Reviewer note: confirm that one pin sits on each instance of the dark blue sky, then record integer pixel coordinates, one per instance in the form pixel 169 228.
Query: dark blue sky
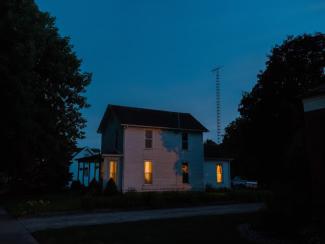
pixel 159 53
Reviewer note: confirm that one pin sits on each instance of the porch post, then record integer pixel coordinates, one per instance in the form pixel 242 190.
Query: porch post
pixel 78 170
pixel 83 173
pixel 88 172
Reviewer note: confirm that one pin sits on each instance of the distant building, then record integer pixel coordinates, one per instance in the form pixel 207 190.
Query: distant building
pixel 314 108
pixel 154 150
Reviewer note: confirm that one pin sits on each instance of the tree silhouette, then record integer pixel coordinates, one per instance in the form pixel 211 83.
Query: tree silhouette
pixel 41 93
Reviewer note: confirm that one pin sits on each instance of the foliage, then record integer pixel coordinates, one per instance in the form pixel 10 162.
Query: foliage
pixel 77 187
pixel 42 87
pixel 267 140
pixel 268 132
pixel 95 187
pixel 111 188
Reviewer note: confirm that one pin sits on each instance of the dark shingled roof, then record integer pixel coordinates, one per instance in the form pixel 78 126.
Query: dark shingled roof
pixel 152 118
pixel 213 151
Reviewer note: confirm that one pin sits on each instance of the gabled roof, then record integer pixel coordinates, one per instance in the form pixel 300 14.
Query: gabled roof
pixel 91 159
pixel 142 117
pixel 80 149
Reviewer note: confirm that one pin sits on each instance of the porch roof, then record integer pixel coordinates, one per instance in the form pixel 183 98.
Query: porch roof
pixel 96 158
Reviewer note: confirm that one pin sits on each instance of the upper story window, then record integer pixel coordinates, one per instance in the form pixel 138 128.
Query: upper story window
pixel 185 141
pixel 148 139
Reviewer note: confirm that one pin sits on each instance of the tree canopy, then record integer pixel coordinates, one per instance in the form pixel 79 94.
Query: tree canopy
pixel 267 139
pixel 42 96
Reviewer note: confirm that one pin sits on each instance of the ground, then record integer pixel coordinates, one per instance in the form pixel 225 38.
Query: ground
pixel 214 229
pixel 29 205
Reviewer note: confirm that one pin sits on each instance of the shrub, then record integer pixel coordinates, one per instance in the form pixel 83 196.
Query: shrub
pixel 75 185
pixel 110 188
pixel 94 188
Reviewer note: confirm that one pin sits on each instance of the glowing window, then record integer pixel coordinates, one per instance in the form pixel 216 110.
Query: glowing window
pixel 147 172
pixel 113 170
pixel 219 173
pixel 148 139
pixel 185 172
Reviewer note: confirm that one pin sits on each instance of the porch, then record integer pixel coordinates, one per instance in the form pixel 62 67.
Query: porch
pixel 89 169
pixel 101 167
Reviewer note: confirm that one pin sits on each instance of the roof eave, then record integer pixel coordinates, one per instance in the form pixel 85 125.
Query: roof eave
pixel 168 128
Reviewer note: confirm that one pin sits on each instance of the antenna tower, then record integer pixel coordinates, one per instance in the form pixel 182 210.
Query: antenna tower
pixel 218 102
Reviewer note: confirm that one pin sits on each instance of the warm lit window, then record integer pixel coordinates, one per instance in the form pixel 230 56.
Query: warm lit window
pixel 148 138
pixel 219 173
pixel 147 172
pixel 184 141
pixel 185 172
pixel 113 170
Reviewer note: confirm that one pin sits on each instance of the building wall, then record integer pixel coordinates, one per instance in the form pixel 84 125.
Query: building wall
pixel 105 170
pixel 210 175
pixel 167 158
pixel 108 136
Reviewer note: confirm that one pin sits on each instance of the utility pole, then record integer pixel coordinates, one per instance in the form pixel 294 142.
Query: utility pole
pixel 218 102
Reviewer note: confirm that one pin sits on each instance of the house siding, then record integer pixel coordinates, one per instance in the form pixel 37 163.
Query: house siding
pixel 108 136
pixel 167 158
pixel 210 177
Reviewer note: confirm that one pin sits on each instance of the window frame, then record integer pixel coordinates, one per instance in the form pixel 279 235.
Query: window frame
pixel 115 176
pixel 145 179
pixel 219 174
pixel 185 141
pixel 149 139
pixel 185 175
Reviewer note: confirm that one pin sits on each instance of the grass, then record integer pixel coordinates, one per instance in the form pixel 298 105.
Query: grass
pixel 68 202
pixel 206 229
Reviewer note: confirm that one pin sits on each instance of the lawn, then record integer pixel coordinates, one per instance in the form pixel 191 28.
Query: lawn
pixel 67 202
pixel 208 229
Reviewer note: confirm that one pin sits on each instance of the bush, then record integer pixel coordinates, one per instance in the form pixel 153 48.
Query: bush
pixel 75 186
pixel 94 188
pixel 110 188
pixel 209 188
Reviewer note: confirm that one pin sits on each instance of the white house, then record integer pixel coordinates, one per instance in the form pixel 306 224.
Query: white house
pixel 154 150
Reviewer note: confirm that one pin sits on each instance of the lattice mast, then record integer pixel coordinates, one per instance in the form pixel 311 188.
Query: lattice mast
pixel 218 102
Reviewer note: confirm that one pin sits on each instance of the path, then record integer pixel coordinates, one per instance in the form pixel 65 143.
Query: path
pixel 13 232
pixel 56 222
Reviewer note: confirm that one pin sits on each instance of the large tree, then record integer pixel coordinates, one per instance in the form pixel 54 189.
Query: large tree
pixel 267 138
pixel 42 89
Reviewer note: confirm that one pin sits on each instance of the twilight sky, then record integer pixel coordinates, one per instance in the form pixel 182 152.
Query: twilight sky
pixel 159 53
